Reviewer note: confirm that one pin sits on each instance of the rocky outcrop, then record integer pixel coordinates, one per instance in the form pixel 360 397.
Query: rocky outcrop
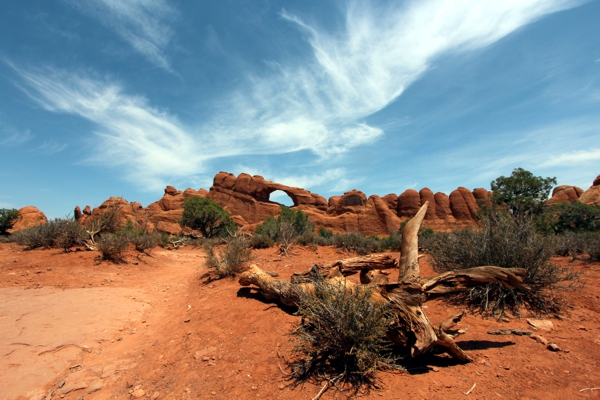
pixel 564 193
pixel 592 195
pixel 248 199
pixel 28 216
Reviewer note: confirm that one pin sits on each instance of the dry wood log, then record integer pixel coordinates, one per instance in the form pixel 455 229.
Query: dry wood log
pixel 465 279
pixel 412 329
pixel 349 266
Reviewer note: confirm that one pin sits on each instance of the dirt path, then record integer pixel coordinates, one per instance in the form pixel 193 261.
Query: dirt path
pixel 150 329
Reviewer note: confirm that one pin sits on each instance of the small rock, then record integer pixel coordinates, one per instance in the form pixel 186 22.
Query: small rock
pixel 281 387
pixel 155 396
pixel 61 383
pixel 71 387
pixel 253 388
pixel 186 320
pixel 541 324
pixel 540 339
pixel 138 393
pixel 95 386
pixel 553 347
pixel 582 328
pixel 213 393
pixel 435 369
pixel 80 397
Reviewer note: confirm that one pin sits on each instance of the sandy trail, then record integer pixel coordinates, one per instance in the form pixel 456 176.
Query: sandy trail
pixel 43 331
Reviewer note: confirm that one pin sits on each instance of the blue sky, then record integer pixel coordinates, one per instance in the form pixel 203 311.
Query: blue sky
pixel 104 98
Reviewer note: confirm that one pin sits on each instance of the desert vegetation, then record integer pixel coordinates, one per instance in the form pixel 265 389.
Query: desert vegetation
pixel 7 219
pixel 206 216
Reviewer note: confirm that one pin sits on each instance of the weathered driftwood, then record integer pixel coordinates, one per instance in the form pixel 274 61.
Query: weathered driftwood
pixel 349 266
pixel 412 329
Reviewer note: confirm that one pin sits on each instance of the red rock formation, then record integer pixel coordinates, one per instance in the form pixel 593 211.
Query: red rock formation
pixel 247 198
pixel 564 193
pixel 592 195
pixel 29 216
pixel 409 203
pixel 391 200
pixel 427 195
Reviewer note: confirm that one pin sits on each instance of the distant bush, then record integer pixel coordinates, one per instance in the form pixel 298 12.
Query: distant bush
pixel 139 237
pixel 357 242
pixel 232 259
pixel 325 233
pixel 62 233
pixel 342 334
pixel 7 218
pixel 112 246
pixel 570 217
pixel 206 216
pixel 506 241
pixel 285 230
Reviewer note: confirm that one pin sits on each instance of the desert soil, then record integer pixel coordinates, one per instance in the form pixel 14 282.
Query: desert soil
pixel 73 327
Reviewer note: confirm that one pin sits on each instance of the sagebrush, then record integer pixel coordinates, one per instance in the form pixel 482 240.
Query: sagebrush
pixel 342 334
pixel 508 241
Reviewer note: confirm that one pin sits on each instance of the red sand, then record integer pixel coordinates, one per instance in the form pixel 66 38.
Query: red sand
pixel 151 328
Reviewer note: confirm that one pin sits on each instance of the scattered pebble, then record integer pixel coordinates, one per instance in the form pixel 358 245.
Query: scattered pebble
pixel 553 347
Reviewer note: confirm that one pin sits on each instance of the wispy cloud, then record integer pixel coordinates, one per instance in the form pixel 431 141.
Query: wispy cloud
pixel 10 136
pixel 142 23
pixel 6 205
pixel 51 147
pixel 152 144
pixel 320 105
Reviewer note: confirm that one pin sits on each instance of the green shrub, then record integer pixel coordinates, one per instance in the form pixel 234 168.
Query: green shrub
pixel 593 246
pixel 7 218
pixel 261 241
pixel 232 259
pixel 505 241
pixel 285 229
pixel 61 233
pixel 342 334
pixel 138 236
pixel 570 217
pixel 357 242
pixel 112 246
pixel 69 233
pixel 325 233
pixel 206 216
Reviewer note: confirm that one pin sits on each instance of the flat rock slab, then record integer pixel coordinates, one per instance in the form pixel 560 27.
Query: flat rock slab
pixel 44 331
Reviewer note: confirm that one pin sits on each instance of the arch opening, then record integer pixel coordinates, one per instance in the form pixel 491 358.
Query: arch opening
pixel 281 197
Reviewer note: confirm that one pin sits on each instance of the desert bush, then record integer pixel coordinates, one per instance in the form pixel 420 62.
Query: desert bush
pixel 325 233
pixel 392 242
pixel 69 233
pixel 62 233
pixel 506 241
pixel 139 237
pixel 570 217
pixel 261 241
pixel 112 246
pixel 285 229
pixel 357 242
pixel 7 219
pixel 233 257
pixel 342 334
pixel 206 216
pixel 593 246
